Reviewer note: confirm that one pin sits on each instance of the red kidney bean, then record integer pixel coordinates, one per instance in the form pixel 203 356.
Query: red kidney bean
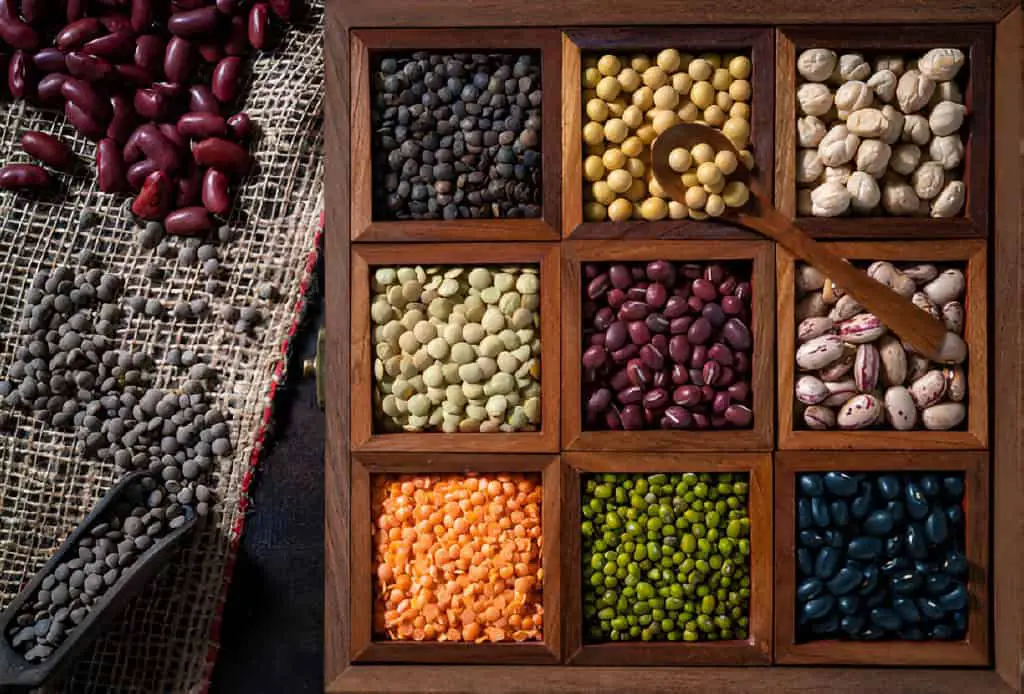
pixel 678 326
pixel 624 354
pixel 149 53
pixel 120 44
pixel 633 310
pixel 179 59
pixel 24 177
pixel 211 52
pixel 742 363
pixel 661 271
pixel 116 23
pixel 227 82
pixel 660 380
pixel 616 335
pixel 707 394
pixel 110 166
pixel 202 125
pixel 282 8
pixel 75 34
pixel 142 15
pixel 133 75
pixel 88 126
pixel 193 23
pixel 679 348
pixel 188 221
pixel 228 7
pixel 726 377
pixel 171 134
pixel 637 293
pixel 743 291
pixel 75 9
pixel 158 148
pixel 201 99
pixel 714 273
pixel 49 89
pixel 150 104
pixel 189 188
pixel 20 75
pixel 612 420
pixel 83 95
pixel 132 151
pixel 225 155
pixel 122 124
pixel 14 32
pixel 597 339
pixel 33 11
pixel 259 17
pixel 50 60
pixel 241 126
pixel 154 198
pixel 615 298
pixel 238 37
pixel 48 149
pixel 89 67
pixel 139 172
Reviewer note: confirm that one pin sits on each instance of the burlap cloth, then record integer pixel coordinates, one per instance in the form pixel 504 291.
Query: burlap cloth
pixel 167 641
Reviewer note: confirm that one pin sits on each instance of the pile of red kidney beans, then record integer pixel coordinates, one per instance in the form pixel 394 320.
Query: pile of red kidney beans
pixel 667 345
pixel 153 83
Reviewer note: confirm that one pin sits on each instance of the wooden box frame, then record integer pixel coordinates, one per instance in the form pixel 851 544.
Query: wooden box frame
pixel 977 42
pixel 363 225
pixel 365 649
pixel 969 251
pixel 755 40
pixel 364 256
pixel 756 649
pixel 1007 276
pixel 972 651
pixel 758 438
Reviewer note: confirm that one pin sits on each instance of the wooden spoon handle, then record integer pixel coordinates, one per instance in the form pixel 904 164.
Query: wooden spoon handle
pixel 901 316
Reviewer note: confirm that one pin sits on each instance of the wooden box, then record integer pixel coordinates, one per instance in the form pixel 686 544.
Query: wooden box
pixel 366 646
pixel 575 254
pixel 364 436
pixel 756 42
pixel 976 43
pixel 971 651
pixel 365 45
pixel 970 253
pixel 756 648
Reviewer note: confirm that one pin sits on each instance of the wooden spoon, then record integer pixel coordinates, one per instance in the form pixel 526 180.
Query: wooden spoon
pixel 917 327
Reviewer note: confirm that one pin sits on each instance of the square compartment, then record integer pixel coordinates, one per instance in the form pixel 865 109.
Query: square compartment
pixel 756 648
pixel 970 255
pixel 976 43
pixel 368 45
pixel 971 651
pixel 369 646
pixel 754 42
pixel 365 434
pixel 759 256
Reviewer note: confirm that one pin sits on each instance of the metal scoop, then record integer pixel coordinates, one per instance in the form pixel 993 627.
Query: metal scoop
pixel 917 327
pixel 20 675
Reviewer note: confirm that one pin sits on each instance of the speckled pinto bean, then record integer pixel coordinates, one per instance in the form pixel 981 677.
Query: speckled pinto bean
pixel 48 149
pixel 188 221
pixel 110 168
pixel 666 354
pixel 222 154
pixel 85 96
pixel 216 197
pixel 24 177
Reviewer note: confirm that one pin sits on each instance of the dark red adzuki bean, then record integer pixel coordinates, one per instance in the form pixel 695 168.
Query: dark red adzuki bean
pixel 24 177
pixel 48 149
pixel 661 350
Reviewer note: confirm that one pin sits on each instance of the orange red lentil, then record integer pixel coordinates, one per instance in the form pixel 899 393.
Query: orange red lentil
pixel 458 557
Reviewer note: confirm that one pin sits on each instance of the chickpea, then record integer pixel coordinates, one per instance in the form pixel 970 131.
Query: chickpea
pixel 716 187
pixel 714 116
pixel 653 209
pixel 597 110
pixel 696 198
pixel 609 65
pixel 620 210
pixel 677 210
pixel 668 60
pixel 708 173
pixel 602 192
pixel 637 190
pixel 739 67
pixel 655 188
pixel 714 59
pixel 666 97
pixel 740 90
pixel 640 62
pixel 715 206
pixel 726 161
pixel 679 159
pixel 633 117
pixel 593 133
pixel 646 133
pixel 635 167
pixel 655 77
pixel 682 82
pixel 589 94
pixel 747 158
pixel 619 180
pixel 740 110
pixel 689 179
pixel 637 214
pixel 599 148
pixel 738 131
pixel 615 130
pixel 724 101
pixel 702 153
pixel 629 79
pixel 608 88
pixel 699 215
pixel 700 70
pixel 613 159
pixel 663 120
pixel 594 212
pixel 702 94
pixel 688 113
pixel 591 76
pixel 643 98
pixel 593 168
pixel 632 146
pixel 617 107
pixel 736 194
pixel 721 79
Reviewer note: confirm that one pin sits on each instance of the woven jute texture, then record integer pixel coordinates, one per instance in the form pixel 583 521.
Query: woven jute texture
pixel 167 640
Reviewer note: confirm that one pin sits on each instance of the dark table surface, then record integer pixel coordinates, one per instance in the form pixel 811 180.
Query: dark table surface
pixel 272 635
